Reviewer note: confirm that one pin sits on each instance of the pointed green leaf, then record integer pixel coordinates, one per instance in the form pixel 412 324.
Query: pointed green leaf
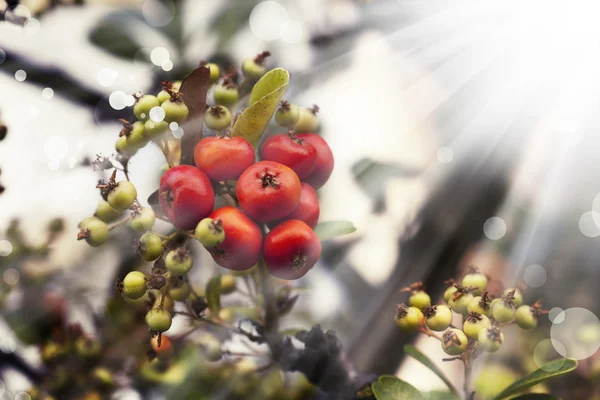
pixel 330 229
pixel 423 359
pixel 213 294
pixel 536 396
pixel 252 122
pixel 437 395
pixel 392 388
pixel 549 370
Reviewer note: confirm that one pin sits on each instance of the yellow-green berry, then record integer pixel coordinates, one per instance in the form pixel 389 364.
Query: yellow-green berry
pixel 142 220
pixel 122 196
pixel 155 129
pixel 480 305
pixel 438 318
pixel 490 339
pixel 254 68
pixel 94 231
pixel 474 323
pixel 448 293
pixel 475 279
pixel 134 285
pixel 419 299
pixel 503 311
pixel 526 317
pixel 307 120
pixel 179 289
pixel 150 246
pixel 215 71
pixel 287 115
pixel 459 302
pixel 144 104
pixel 217 118
pixel 178 261
pixel 454 342
pixel 175 111
pixel 210 232
pixel 516 293
pixel 158 320
pixel 105 212
pixel 226 93
pixel 408 318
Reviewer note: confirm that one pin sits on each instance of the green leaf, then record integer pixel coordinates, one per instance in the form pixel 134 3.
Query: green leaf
pixel 110 36
pixel 213 294
pixel 330 229
pixel 423 359
pixel 392 388
pixel 252 122
pixel 549 370
pixel 536 396
pixel 437 395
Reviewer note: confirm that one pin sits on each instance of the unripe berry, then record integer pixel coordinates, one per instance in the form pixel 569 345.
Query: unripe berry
pixel 158 320
pixel 227 284
pixel 210 233
pixel 503 311
pixel 459 302
pixel 449 293
pixel 121 146
pixel 175 111
pixel 474 323
pixel 480 305
pixel 144 104
pixel 287 114
pixel 526 317
pixel 179 290
pixel 150 246
pixel 490 339
pixel 438 318
pixel 324 164
pixel 408 318
pixel 226 94
pixel 134 285
pixel 254 69
pixel 135 135
pixel 307 120
pixel 94 231
pixel 143 220
pixel 454 342
pixel 518 296
pixel 217 118
pixel 419 299
pixel 215 71
pixel 178 262
pixel 154 129
pixel 224 158
pixel 105 212
pixel 163 96
pixel 122 196
pixel 475 279
pixel 165 350
pixel 296 153
pixel 177 85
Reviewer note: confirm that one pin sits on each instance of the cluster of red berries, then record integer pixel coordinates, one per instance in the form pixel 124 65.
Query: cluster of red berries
pixel 482 316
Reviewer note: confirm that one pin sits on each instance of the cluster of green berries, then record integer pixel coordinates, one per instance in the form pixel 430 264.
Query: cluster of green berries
pixel 482 316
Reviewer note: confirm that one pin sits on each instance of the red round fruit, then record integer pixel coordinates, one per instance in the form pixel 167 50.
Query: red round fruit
pixel 296 153
pixel 324 164
pixel 291 249
pixel 307 210
pixel 268 191
pixel 223 158
pixel 243 240
pixel 186 196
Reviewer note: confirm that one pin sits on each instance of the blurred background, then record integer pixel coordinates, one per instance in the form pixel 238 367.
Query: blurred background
pixel 463 132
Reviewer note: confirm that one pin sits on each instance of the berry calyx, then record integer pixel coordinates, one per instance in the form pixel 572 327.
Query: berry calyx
pixel 460 299
pixel 291 249
pixel 134 285
pixel 217 118
pixel 226 93
pixel 527 317
pixel 267 191
pixel 408 319
pixel 504 311
pixel 454 342
pixel 474 323
pixel 324 163
pixel 490 339
pixel 287 114
pixel 158 320
pixel 481 305
pixel 186 196
pixel 243 240
pixel 307 119
pixel 150 246
pixel 254 68
pixel 121 195
pixel 105 212
pixel 295 152
pixel 178 262
pixel 476 280
pixel 210 233
pixel 307 210
pixel 93 231
pixel 175 110
pixel 143 219
pixel 144 104
pixel 133 134
pixel 224 158
pixel 517 296
pixel 438 318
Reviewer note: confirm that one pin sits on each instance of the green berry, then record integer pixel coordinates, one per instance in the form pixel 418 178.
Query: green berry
pixel 518 296
pixel 226 94
pixel 175 111
pixel 180 290
pixel 480 305
pixel 454 342
pixel 144 104
pixel 419 299
pixel 122 196
pixel 163 96
pixel 215 71
pixel 94 231
pixel 526 317
pixel 307 121
pixel 253 70
pixel 158 320
pixel 217 118
pixel 503 311
pixel 490 339
pixel 459 303
pixel 134 285
pixel 474 323
pixel 150 246
pixel 121 146
pixel 105 212
pixel 135 137
pixel 143 220
pixel 178 261
pixel 287 115
pixel 448 293
pixel 210 233
pixel 438 318
pixel 475 279
pixel 227 284
pixel 408 318
pixel 177 85
pixel 155 129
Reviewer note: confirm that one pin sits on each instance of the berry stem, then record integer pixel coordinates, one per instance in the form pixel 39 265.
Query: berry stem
pixel 468 370
pixel 118 223
pixel 425 329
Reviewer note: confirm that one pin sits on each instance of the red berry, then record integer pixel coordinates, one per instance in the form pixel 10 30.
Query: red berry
pixel 268 191
pixel 296 153
pixel 186 196
pixel 307 210
pixel 324 164
pixel 223 158
pixel 243 240
pixel 291 249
